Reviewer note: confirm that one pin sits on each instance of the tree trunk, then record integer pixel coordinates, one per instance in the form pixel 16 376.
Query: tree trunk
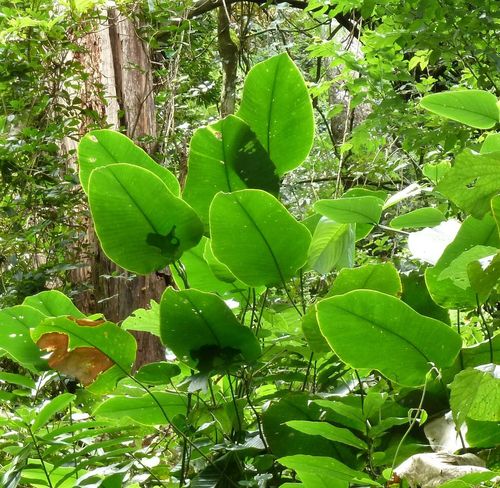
pixel 118 61
pixel 228 51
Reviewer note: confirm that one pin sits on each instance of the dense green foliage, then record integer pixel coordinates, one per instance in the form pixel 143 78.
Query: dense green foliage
pixel 314 331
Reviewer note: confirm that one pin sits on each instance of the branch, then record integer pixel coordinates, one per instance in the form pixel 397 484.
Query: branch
pixel 204 6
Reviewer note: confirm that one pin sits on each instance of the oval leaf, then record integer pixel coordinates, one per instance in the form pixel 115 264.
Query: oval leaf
pixel 476 108
pixel 155 408
pixel 202 331
pixel 368 329
pixel 138 232
pixel 328 431
pixel 15 339
pixel 351 210
pixel 98 353
pixel 53 303
pixel 277 106
pixel 257 238
pixel 103 147
pixel 226 157
pixel 421 217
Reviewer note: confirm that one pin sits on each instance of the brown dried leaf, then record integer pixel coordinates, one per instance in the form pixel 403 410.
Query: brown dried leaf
pixel 84 363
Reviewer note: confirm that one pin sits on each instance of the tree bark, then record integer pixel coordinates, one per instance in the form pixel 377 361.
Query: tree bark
pixel 228 51
pixel 118 61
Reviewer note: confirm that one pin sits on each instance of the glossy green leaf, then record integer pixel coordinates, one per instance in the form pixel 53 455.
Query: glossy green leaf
pixel 448 281
pixel 475 393
pixel 495 210
pixel 220 270
pixel 491 143
pixel 484 275
pixel 226 156
pixel 416 295
pixel 117 350
pixel 283 440
pixel 144 320
pixel 435 172
pixel 17 379
pixel 312 333
pixel 476 108
pixel 154 408
pixel 482 434
pixel 328 431
pixel 277 106
pixel 381 277
pixel 368 329
pixel 422 217
pixel 104 147
pixel 472 182
pixel 257 238
pixel 53 303
pixel 332 246
pixel 202 331
pixel 360 210
pixel 15 339
pixel 201 276
pixel 52 407
pixel 159 373
pixel 324 472
pixel 138 232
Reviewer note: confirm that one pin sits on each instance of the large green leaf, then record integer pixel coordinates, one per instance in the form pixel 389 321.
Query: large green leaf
pixel 283 440
pixel 144 320
pixel 332 246
pixel 368 329
pixel 155 408
pixel 202 331
pixel 448 281
pixel 200 274
pixel 257 238
pixel 226 157
pixel 103 147
pixel 141 225
pixel 313 335
pixel 495 210
pixel 484 275
pixel 15 339
pixel 98 353
pixel 417 296
pixel 351 210
pixel 328 431
pixel 53 303
pixel 421 217
pixel 475 393
pixel 382 277
pixel 277 106
pixel 491 143
pixel 476 108
pixel 57 404
pixel 324 472
pixel 472 182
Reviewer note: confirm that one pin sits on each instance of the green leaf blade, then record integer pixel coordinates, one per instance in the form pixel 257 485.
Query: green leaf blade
pixel 137 232
pixel 257 238
pixel 368 329
pixel 475 108
pixel 277 106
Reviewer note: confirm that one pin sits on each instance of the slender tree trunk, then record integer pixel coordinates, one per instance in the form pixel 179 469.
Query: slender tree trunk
pixel 118 61
pixel 228 51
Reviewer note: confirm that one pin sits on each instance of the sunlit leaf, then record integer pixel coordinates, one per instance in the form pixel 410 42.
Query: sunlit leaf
pixel 277 106
pixel 104 147
pixel 368 329
pixel 98 353
pixel 476 108
pixel 257 238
